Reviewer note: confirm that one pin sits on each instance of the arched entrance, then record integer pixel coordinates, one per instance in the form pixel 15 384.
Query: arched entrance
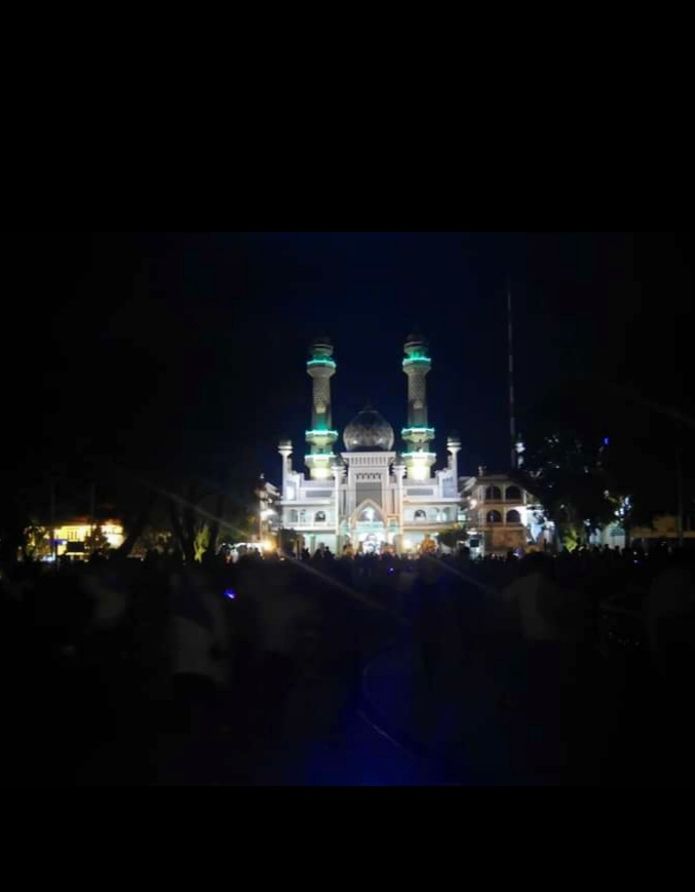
pixel 370 543
pixel 367 528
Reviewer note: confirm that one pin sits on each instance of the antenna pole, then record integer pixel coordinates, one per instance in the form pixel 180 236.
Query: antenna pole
pixel 512 420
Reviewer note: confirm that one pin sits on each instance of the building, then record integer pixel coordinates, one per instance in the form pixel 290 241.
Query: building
pixel 268 497
pixel 369 496
pixel 664 530
pixel 502 516
pixel 70 535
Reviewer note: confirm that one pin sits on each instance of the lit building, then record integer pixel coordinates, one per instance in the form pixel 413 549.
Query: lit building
pixel 268 496
pixel 70 536
pixel 369 496
pixel 502 516
pixel 664 529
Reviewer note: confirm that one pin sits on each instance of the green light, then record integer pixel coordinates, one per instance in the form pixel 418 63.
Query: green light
pixel 417 430
pixel 416 358
pixel 323 361
pixel 325 433
pixel 418 454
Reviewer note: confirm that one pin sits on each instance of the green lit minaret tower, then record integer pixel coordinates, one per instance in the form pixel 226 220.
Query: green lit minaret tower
pixel 321 368
pixel 417 435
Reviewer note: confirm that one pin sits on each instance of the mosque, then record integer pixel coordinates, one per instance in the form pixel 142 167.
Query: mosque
pixel 370 497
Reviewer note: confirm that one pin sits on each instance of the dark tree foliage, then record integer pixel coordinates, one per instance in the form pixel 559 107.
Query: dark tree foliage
pixel 588 451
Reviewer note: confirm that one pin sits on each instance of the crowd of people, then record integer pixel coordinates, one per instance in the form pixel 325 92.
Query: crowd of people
pixel 111 664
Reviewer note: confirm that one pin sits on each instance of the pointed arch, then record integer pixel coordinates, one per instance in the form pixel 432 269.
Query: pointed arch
pixel 368 505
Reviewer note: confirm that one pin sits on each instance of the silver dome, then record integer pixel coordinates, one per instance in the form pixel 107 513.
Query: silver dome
pixel 368 431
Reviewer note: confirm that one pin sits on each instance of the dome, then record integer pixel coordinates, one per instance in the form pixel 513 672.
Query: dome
pixel 367 432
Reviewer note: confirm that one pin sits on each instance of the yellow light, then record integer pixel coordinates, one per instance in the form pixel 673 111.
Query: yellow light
pixel 419 470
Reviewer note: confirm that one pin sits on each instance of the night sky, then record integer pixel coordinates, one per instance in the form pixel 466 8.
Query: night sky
pixel 145 348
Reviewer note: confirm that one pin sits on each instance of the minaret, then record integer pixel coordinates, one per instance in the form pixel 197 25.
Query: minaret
pixel 321 367
pixel 399 473
pixel 416 365
pixel 453 445
pixel 285 450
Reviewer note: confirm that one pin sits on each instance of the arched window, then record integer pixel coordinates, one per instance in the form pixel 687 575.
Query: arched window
pixel 320 517
pixel 494 517
pixel 493 494
pixel 293 516
pixel 513 517
pixel 302 516
pixel 420 515
pixel 513 494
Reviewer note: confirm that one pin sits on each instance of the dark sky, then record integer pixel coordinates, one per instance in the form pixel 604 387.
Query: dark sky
pixel 143 346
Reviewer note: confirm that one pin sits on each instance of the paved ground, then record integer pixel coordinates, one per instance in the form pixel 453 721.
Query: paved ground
pixel 323 737
pixel 396 731
pixel 464 723
pixel 477 724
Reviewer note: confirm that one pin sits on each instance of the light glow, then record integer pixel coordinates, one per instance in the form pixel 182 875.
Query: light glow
pixel 323 433
pixel 418 471
pixel 417 430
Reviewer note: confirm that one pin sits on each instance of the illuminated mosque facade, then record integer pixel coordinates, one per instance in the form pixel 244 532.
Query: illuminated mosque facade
pixel 369 496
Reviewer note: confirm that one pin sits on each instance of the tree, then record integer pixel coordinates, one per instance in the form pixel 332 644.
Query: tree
pixel 14 520
pixel 37 543
pixel 451 536
pixel 201 542
pixel 155 540
pixel 201 516
pixel 636 449
pixel 428 545
pixel 136 523
pixel 184 512
pixel 289 541
pixel 96 543
pixel 569 480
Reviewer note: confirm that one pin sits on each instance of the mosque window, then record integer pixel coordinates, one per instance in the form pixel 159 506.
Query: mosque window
pixel 513 517
pixel 420 515
pixel 494 517
pixel 493 494
pixel 320 517
pixel 513 494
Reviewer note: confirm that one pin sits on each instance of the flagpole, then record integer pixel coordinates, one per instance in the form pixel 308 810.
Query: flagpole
pixel 512 421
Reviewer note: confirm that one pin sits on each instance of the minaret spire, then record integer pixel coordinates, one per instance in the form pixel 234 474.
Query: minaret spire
pixel 321 368
pixel 417 434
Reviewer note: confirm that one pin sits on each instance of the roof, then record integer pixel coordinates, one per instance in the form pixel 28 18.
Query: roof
pixel 82 522
pixel 368 431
